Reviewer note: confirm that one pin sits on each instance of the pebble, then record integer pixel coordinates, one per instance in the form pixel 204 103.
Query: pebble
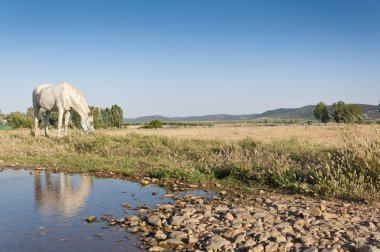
pixel 91 219
pixel 255 224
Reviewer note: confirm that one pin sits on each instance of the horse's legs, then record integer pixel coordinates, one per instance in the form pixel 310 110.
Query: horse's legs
pixel 60 116
pixel 47 117
pixel 36 115
pixel 67 117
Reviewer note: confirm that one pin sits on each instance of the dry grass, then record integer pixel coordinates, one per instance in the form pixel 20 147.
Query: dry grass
pixel 338 161
pixel 327 135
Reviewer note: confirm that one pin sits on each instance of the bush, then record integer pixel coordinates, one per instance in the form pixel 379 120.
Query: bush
pixel 19 120
pixel 155 124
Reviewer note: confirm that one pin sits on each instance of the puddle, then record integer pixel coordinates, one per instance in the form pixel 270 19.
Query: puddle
pixel 46 211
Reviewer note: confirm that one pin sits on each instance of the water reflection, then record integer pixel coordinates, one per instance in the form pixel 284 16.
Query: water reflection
pixel 61 193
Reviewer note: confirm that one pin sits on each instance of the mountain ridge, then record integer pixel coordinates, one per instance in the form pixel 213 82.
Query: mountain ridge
pixel 302 113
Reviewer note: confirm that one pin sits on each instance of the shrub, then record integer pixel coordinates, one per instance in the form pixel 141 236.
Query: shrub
pixel 155 124
pixel 19 120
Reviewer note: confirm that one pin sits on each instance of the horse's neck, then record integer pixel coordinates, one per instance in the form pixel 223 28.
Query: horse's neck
pixel 80 105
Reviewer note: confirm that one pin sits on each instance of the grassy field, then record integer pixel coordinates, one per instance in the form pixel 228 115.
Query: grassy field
pixel 338 161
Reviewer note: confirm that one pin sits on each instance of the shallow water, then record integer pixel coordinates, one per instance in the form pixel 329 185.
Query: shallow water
pixel 46 211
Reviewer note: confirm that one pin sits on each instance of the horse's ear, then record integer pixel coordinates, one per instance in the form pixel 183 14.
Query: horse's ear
pixel 89 113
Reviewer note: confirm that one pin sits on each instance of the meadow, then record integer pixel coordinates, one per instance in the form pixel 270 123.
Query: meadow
pixel 341 161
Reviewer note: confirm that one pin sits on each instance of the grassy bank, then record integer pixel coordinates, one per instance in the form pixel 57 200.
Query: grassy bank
pixel 349 171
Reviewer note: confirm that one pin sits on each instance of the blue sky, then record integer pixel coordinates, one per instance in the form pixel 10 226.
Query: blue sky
pixel 192 57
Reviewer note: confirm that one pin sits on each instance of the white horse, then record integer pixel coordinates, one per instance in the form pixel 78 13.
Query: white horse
pixel 61 98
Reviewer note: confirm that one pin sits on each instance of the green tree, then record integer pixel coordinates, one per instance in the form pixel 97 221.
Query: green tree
pixel 75 118
pixel 321 112
pixel 347 113
pixel 116 116
pixel 354 113
pixel 338 111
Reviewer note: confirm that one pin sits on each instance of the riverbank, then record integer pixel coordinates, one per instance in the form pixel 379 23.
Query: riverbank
pixel 350 171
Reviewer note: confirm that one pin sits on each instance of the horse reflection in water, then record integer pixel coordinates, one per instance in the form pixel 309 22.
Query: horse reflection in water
pixel 60 193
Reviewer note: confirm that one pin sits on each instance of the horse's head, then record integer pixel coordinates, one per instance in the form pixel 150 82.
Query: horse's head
pixel 88 124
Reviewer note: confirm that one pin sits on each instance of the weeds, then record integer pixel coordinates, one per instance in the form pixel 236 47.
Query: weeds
pixel 350 171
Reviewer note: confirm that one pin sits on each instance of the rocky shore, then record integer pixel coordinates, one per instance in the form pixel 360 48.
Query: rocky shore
pixel 264 222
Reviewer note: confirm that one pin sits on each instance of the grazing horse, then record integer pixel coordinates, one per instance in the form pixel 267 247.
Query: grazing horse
pixel 61 98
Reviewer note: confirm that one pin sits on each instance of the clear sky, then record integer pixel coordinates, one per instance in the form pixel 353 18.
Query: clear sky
pixel 192 57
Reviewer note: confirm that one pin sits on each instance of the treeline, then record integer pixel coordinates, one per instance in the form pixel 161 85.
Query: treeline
pixel 103 118
pixel 340 112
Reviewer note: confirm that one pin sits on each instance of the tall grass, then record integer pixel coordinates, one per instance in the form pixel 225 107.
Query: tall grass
pixel 350 171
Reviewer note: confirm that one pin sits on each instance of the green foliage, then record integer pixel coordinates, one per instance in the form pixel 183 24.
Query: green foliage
pixel 347 113
pixel 321 112
pixel 116 116
pixel 155 124
pixel 103 118
pixel 19 120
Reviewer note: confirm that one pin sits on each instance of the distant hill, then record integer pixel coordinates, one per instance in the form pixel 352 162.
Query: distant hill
pixel 303 113
pixel 205 118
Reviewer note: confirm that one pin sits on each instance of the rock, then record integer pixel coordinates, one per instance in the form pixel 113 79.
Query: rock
pixel 280 238
pixel 228 216
pixel 159 235
pixel 221 209
pixel 127 205
pixel 90 219
pixel 328 216
pixel 169 195
pixel 271 247
pixel 257 248
pixel 154 220
pixel 228 233
pixel 370 225
pixel 144 182
pixel 330 250
pixel 177 220
pixel 322 207
pixel 193 240
pixel 239 238
pixel 367 248
pixel 178 235
pixel 216 242
pixel 174 242
pixel 315 211
pixel 133 221
pixel 311 249
pixel 166 207
pixel 154 193
pixel 156 249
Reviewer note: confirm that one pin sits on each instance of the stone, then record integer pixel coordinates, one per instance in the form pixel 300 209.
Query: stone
pixel 90 219
pixel 271 247
pixel 329 216
pixel 174 242
pixel 228 216
pixel 311 249
pixel 178 235
pixel 177 220
pixel 257 248
pixel 154 220
pixel 221 209
pixel 166 207
pixel 156 249
pixel 216 242
pixel 160 235
pixel 192 240
pixel 169 195
pixel 315 211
